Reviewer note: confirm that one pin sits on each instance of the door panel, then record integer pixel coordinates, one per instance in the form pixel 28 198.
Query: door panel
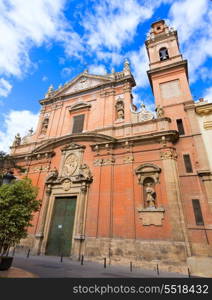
pixel 61 229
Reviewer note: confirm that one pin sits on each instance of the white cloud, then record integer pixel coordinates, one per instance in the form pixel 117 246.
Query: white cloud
pixel 114 22
pixel 66 71
pixel 97 69
pixel 140 64
pixel 5 87
pixel 61 60
pixel 208 94
pixel 205 73
pixel 197 54
pixel 193 21
pixel 16 122
pixel 72 42
pixel 114 58
pixel 24 24
pixel 188 17
pixel 44 78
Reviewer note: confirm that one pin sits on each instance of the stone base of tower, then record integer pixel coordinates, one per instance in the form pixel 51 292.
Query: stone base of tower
pixel 170 256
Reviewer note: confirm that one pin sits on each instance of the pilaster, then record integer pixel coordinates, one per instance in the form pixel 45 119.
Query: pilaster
pixel 169 157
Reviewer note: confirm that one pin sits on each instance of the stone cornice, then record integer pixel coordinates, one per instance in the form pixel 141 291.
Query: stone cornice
pixel 37 155
pixel 166 68
pixel 134 124
pixel 161 37
pixel 170 136
pixel 72 138
pixel 189 105
pixel 204 109
pixel 79 106
pixel 113 83
pixel 208 125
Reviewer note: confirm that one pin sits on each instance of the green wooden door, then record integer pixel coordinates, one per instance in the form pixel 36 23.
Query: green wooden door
pixel 61 230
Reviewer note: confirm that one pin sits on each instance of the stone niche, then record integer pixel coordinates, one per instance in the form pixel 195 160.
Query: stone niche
pixel 150 213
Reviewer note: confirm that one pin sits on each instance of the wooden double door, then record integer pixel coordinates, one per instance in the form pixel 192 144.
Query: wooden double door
pixel 61 228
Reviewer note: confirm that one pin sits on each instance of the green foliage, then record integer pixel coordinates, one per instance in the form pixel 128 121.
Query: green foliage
pixel 17 203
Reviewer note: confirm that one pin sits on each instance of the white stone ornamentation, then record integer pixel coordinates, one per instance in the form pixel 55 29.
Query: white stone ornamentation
pixel 70 165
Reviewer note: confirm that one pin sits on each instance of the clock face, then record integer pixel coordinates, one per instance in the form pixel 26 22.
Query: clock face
pixel 83 82
pixel 146 116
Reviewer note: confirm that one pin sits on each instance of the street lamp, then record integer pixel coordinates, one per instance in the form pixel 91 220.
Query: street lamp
pixel 8 177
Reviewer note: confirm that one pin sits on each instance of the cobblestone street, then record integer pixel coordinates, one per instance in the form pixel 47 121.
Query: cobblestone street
pixel 52 267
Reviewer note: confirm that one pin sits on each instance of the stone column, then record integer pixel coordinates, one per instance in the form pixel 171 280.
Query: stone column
pixel 80 226
pixel 179 233
pixel 127 102
pixel 40 232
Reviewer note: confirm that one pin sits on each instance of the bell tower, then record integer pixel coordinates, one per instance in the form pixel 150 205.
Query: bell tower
pixel 168 72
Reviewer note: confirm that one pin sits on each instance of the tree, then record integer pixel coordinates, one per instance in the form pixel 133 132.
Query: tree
pixel 4 163
pixel 17 203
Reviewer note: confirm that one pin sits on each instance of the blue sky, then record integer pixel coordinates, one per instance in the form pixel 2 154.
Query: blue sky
pixel 47 42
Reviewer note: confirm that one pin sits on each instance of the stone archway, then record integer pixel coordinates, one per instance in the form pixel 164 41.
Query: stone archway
pixel 150 212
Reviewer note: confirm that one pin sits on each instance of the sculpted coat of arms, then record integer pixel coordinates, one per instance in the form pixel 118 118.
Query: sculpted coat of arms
pixel 70 165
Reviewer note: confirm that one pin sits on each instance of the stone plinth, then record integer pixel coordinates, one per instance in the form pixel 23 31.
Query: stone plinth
pixel 151 215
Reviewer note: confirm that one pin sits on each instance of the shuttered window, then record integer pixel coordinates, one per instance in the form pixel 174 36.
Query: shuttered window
pixel 180 127
pixel 78 123
pixel 187 162
pixel 197 212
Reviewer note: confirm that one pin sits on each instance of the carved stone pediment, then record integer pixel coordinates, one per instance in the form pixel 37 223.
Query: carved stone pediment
pixel 79 106
pixel 148 170
pixel 83 82
pixel 72 146
pixel 143 114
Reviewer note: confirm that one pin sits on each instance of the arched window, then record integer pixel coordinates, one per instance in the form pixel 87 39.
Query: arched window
pixel 163 53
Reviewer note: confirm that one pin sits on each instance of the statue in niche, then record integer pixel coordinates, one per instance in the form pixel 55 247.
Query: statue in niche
pixel 44 126
pixel 159 111
pixel 150 195
pixel 52 175
pixel 120 114
pixel 17 140
pixel 120 110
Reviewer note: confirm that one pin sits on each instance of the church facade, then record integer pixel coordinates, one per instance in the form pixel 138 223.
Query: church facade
pixel 116 181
